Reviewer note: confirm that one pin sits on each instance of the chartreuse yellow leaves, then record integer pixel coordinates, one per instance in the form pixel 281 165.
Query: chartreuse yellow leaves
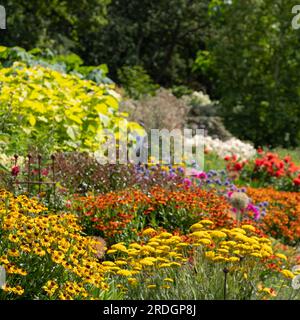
pixel 40 102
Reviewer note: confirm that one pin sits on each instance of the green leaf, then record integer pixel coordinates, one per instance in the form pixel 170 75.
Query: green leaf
pixel 71 133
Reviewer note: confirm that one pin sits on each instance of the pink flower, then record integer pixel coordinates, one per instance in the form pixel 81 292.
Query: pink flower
pixel 187 182
pixel 201 175
pixel 229 194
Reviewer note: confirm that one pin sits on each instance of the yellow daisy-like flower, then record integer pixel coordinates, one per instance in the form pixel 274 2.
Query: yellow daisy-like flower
pixel 281 256
pixel 108 263
pixel 125 273
pixel 287 273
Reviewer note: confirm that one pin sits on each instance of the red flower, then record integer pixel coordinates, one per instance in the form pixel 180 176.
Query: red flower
pixel 287 159
pixel 238 166
pixel 260 150
pixel 297 181
pixel 15 171
pixel 279 173
pixel 44 172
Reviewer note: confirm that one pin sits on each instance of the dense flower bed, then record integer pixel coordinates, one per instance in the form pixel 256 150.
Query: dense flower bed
pixel 282 220
pixel 118 214
pixel 46 256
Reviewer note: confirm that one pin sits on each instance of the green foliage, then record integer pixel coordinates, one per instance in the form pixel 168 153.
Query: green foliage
pixel 68 63
pixel 163 36
pixel 54 111
pixel 256 63
pixel 181 90
pixel 61 25
pixel 136 82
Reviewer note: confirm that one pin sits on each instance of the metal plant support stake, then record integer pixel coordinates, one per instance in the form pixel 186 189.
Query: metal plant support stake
pixel 29 181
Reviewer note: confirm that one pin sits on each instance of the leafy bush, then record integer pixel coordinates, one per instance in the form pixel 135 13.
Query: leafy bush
pixel 136 82
pixel 54 111
pixel 68 63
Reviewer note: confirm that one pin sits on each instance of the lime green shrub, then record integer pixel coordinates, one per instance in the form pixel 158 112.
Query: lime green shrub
pixel 55 111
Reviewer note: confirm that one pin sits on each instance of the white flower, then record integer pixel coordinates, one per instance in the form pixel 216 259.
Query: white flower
pixel 296 282
pixel 231 147
pixel 296 268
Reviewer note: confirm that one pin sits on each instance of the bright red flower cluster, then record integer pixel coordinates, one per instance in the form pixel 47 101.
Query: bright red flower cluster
pixel 274 166
pixel 233 165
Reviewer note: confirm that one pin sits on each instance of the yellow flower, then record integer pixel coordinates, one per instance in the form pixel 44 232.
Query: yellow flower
pixel 50 287
pixel 256 254
pixel 218 234
pixel 135 246
pixel 281 256
pixel 223 250
pixel 125 273
pixel 204 241
pixel 119 247
pixel 132 281
pixel 120 263
pixel 287 273
pixel 13 238
pixel 151 286
pixel 148 231
pixel 219 259
pixel 13 253
pixel 165 265
pixel 165 235
pixel 248 227
pixel 108 263
pixel 111 251
pixel 168 280
pixel 238 230
pixel 234 259
pixel 209 254
pixel 201 234
pixel 146 262
pixel 196 227
pixel 206 221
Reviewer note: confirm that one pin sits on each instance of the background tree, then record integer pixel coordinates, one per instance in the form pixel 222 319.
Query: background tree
pixel 58 25
pixel 162 36
pixel 255 58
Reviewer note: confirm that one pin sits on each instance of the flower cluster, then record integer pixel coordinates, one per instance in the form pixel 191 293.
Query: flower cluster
pixel 282 219
pixel 232 147
pixel 268 169
pixel 154 264
pixel 117 214
pixel 45 255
